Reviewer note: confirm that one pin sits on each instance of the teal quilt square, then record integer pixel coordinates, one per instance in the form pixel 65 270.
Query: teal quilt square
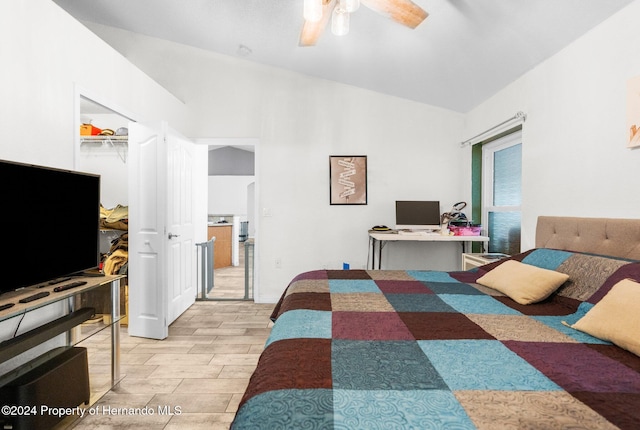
pixel 453 288
pixel 301 323
pixel 353 286
pixel 382 365
pixel 418 303
pixel 431 276
pixel 410 409
pixel 309 409
pixel 483 365
pixel 560 323
pixel 547 258
pixel 482 304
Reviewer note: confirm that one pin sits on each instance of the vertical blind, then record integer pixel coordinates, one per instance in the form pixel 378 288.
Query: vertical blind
pixel 504 224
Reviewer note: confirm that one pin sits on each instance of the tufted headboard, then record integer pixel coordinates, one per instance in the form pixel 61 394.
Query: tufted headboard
pixel 605 236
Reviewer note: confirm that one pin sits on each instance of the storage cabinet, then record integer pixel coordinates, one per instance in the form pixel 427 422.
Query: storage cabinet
pixel 473 260
pixel 222 247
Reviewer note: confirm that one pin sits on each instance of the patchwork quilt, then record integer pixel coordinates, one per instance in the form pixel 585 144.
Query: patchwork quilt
pixel 367 349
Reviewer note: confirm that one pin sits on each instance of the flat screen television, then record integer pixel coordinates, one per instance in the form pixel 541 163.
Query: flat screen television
pixel 49 223
pixel 417 215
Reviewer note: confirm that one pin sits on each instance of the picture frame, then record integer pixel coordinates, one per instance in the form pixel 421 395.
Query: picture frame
pixel 348 179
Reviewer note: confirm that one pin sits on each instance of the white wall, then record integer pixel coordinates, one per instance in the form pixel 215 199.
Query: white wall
pixel 229 195
pixel 575 163
pixel 45 56
pixel 410 155
pixel 300 121
pixel 575 160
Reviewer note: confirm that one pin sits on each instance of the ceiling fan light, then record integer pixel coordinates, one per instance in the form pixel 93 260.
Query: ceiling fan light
pixel 350 5
pixel 340 21
pixel 312 10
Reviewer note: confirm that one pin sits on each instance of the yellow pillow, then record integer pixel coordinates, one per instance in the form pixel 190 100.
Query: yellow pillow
pixel 615 317
pixel 524 283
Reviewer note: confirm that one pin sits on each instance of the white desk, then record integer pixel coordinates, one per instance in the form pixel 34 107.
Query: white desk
pixel 382 238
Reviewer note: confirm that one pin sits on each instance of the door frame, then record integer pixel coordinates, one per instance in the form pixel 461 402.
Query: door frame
pixel 255 142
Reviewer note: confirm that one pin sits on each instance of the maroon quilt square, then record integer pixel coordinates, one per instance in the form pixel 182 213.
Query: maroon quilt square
pixel 618 354
pixel 369 326
pixel 442 325
pixel 576 367
pixel 619 408
pixel 292 364
pixel 314 274
pixel 553 306
pixel 313 301
pixel 403 287
pixel 348 274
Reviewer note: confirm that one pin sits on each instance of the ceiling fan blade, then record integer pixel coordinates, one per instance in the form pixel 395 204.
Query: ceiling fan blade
pixel 311 31
pixel 404 12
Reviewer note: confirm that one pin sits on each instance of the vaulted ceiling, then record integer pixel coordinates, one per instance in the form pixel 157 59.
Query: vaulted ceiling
pixel 465 51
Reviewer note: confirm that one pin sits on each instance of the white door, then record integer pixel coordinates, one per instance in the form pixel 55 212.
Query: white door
pixel 161 263
pixel 180 225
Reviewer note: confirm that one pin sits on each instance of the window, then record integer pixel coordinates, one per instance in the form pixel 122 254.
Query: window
pixel 502 192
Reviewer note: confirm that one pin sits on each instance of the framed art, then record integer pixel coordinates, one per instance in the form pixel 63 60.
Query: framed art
pixel 348 179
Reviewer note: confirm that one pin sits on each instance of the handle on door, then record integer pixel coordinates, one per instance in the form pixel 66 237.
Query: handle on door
pixel 171 235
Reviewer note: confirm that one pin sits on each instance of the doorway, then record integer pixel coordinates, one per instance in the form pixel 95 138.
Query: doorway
pixel 232 179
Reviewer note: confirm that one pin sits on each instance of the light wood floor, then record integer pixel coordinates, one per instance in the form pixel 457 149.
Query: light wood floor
pixel 228 282
pixel 201 369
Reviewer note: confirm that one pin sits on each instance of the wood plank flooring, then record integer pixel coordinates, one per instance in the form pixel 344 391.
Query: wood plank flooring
pixel 199 372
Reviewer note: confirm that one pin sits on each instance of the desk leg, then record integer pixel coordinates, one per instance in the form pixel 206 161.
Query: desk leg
pixel 371 253
pixel 379 254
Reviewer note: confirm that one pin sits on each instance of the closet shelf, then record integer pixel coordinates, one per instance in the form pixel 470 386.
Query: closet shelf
pixel 106 144
pixel 105 140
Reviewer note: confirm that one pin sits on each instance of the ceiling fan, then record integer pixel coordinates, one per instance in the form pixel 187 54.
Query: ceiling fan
pixel 317 14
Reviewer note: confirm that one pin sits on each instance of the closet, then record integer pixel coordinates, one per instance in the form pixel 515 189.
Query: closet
pixel 103 150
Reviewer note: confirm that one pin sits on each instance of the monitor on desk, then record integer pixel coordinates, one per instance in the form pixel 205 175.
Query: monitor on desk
pixel 417 215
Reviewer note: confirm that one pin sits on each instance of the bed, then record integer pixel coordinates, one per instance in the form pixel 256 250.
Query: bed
pixel 366 349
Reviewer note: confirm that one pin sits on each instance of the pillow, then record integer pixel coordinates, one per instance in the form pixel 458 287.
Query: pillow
pixel 615 318
pixel 522 282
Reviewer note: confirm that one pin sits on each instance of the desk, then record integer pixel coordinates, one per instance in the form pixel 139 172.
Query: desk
pixel 381 239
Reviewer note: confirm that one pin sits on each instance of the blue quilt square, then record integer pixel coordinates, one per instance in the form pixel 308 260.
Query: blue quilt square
pixel 558 323
pixel 431 276
pixel 382 365
pixel 418 303
pixel 301 323
pixel 452 288
pixel 483 365
pixel 547 258
pixel 278 409
pixel 353 286
pixel 481 304
pixel 412 409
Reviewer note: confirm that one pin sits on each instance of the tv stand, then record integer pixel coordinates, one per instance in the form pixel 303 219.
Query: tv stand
pixel 93 273
pixel 74 315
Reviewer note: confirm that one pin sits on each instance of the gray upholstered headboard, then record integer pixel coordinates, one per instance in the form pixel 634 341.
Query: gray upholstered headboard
pixel 605 236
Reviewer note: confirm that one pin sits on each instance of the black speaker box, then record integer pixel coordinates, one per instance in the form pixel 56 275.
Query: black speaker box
pixel 60 382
